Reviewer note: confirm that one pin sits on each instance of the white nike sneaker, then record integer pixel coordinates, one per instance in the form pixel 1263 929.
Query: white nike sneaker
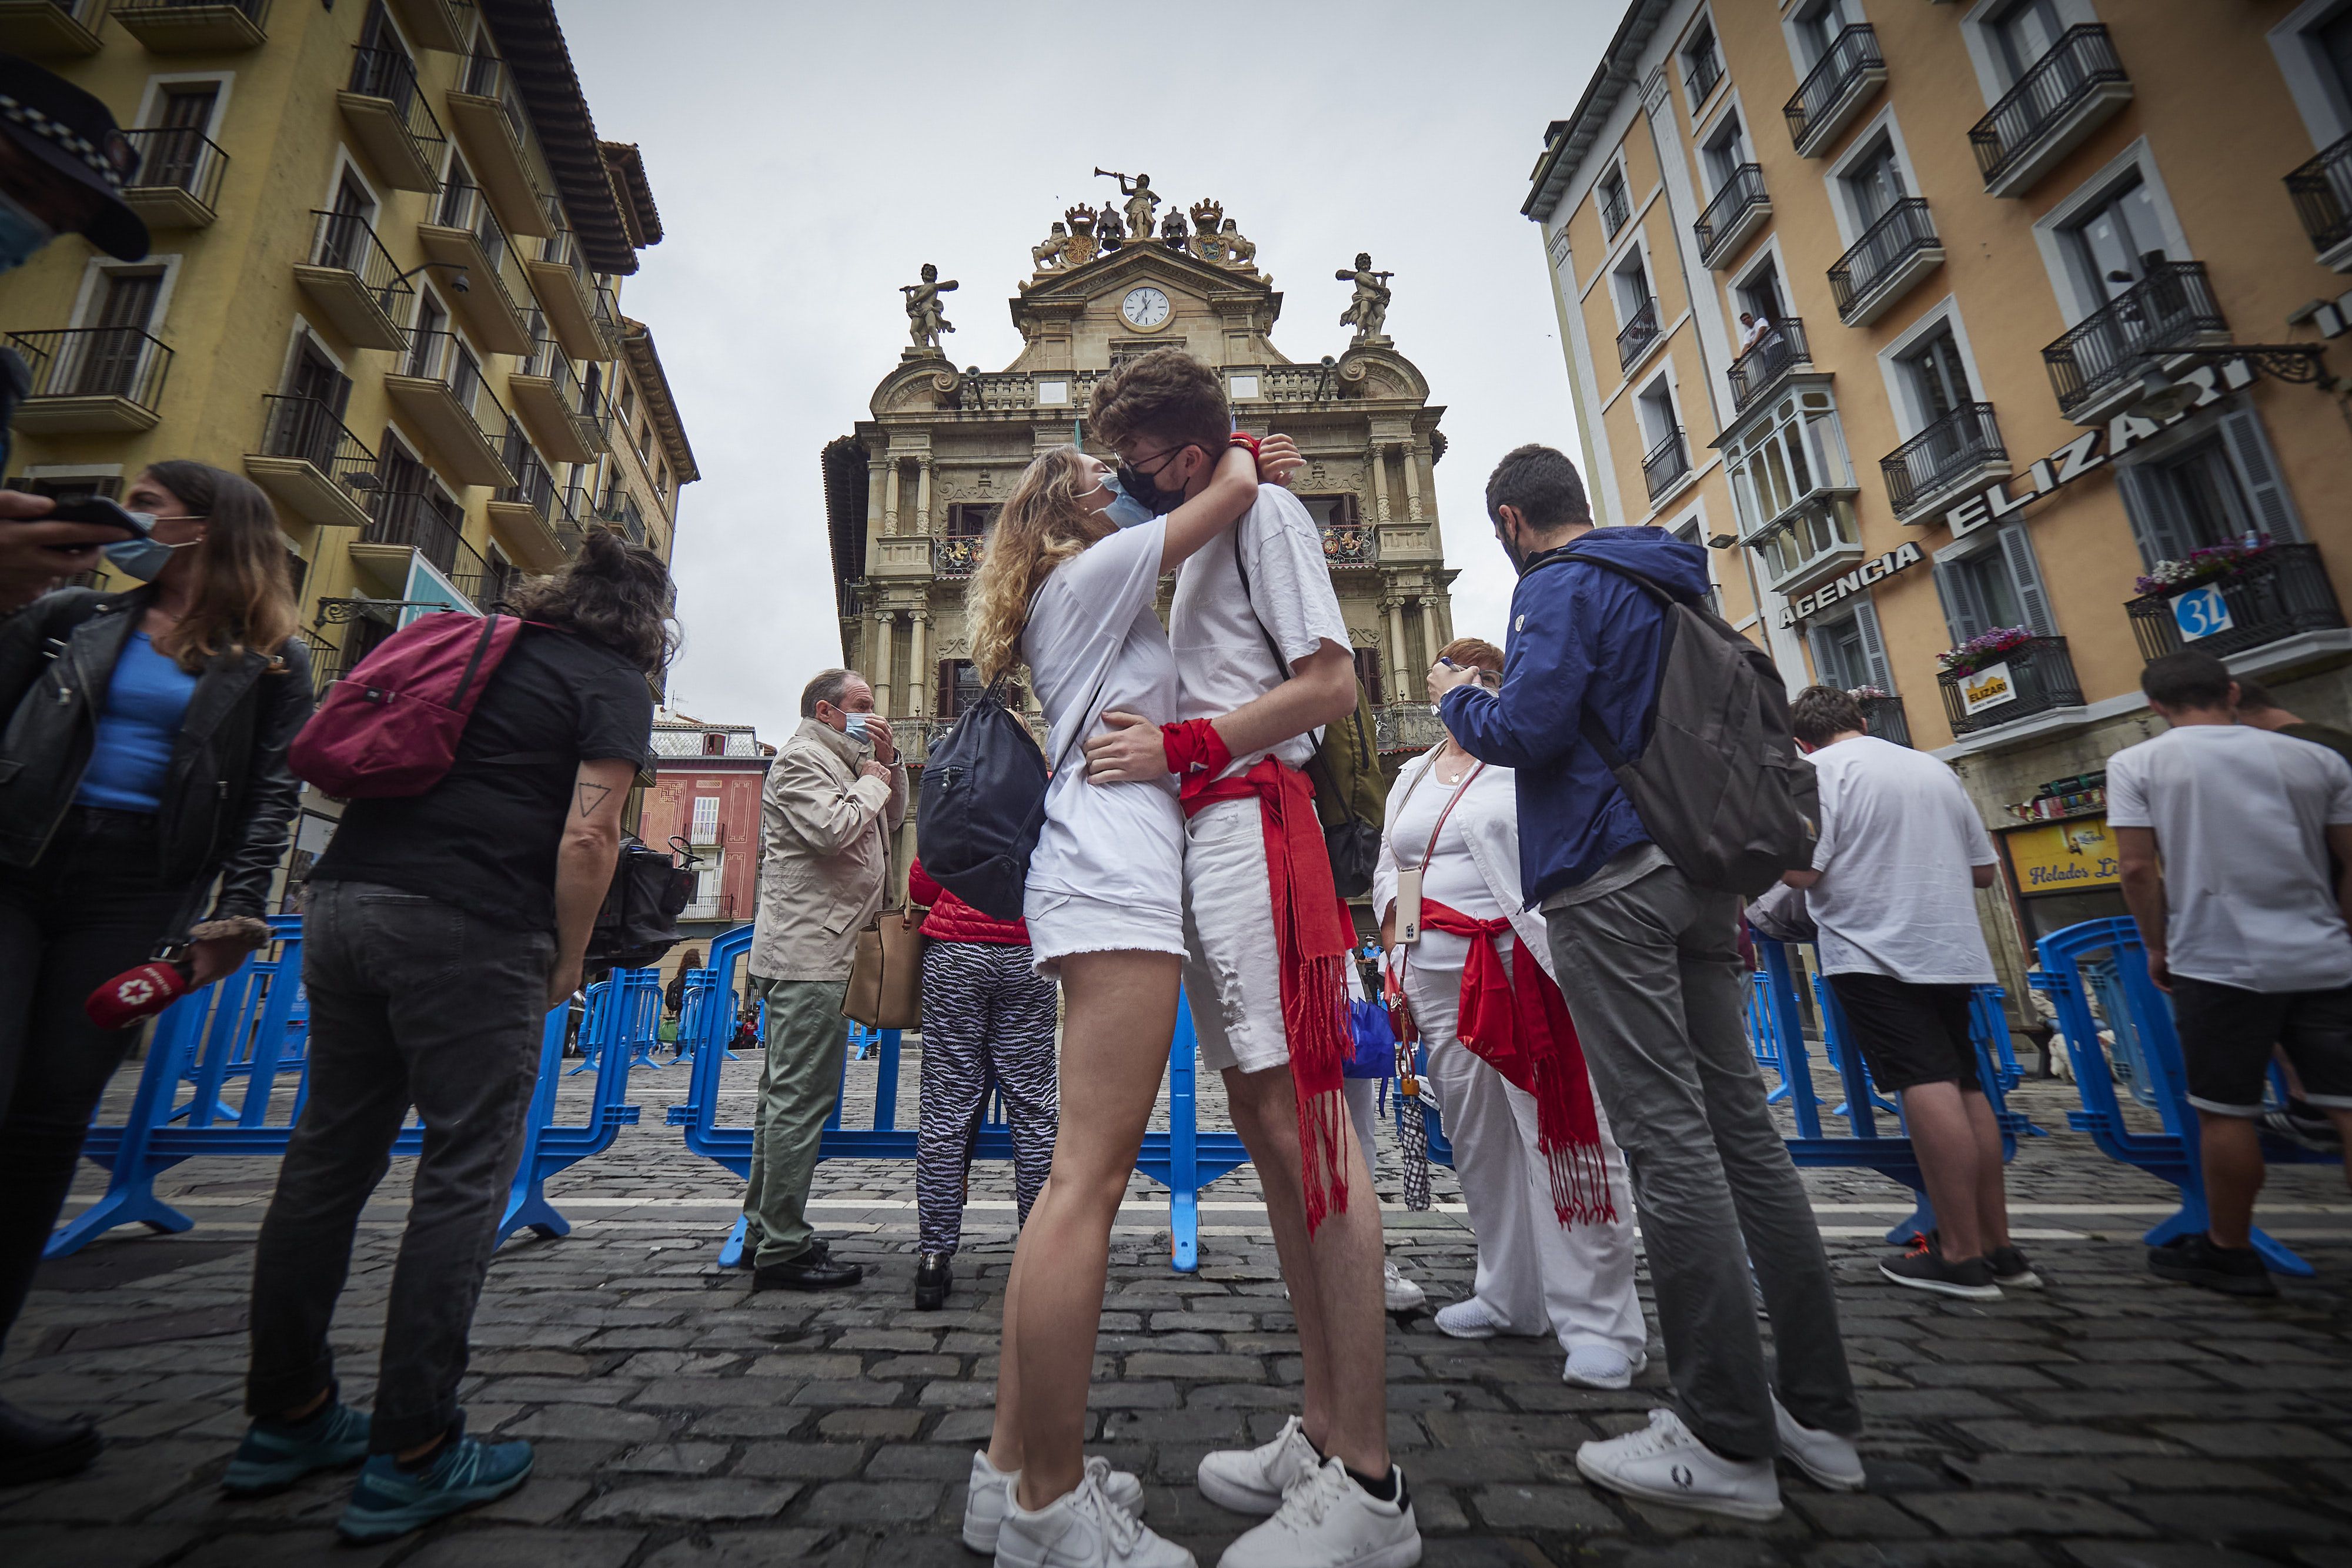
pixel 1398 1293
pixel 991 1496
pixel 1831 1460
pixel 1468 1319
pixel 1602 1366
pixel 1327 1521
pixel 1254 1480
pixel 1664 1463
pixel 1083 1528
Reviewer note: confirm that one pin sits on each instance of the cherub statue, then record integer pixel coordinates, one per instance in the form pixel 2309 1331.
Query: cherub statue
pixel 1142 202
pixel 1172 232
pixel 1369 310
pixel 1055 252
pixel 925 322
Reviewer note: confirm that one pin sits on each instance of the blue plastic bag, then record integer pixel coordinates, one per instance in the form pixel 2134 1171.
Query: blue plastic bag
pixel 1372 1044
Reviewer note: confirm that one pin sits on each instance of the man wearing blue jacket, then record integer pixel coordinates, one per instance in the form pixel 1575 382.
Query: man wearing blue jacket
pixel 1648 963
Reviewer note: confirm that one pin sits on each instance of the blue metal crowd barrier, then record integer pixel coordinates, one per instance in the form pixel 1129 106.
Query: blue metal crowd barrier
pixel 253 1025
pixel 1183 1159
pixel 2104 960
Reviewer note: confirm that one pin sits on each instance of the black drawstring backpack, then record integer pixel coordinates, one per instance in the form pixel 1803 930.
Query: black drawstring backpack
pixel 983 804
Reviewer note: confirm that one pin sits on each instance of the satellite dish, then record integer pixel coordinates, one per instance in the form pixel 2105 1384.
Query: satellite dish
pixel 2162 398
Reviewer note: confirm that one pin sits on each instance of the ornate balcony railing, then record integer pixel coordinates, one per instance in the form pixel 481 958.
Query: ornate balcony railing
pixel 177 158
pixel 1406 727
pixel 1740 194
pixel 1831 87
pixel 2034 677
pixel 2170 308
pixel 1779 351
pixel 1664 465
pixel 2322 190
pixel 2046 100
pixel 1639 333
pixel 95 362
pixel 2280 593
pixel 1350 544
pixel 1615 208
pixel 1874 265
pixel 955 557
pixel 1960 442
pixel 1884 717
pixel 306 428
pixel 326 660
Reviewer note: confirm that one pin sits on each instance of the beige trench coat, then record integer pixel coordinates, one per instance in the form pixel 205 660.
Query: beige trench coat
pixel 824 854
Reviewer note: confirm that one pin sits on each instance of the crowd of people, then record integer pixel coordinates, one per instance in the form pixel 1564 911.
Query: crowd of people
pixel 1579 989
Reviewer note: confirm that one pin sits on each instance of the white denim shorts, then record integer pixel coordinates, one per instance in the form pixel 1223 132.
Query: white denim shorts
pixel 1233 969
pixel 1061 924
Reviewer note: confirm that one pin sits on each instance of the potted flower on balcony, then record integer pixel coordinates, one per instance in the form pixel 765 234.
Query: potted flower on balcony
pixel 1984 648
pixel 2167 578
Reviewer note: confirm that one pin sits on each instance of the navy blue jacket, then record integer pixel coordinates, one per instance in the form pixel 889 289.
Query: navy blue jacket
pixel 1580 636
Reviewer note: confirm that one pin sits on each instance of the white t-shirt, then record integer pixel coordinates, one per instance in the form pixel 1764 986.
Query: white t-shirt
pixel 1221 654
pixel 2241 818
pixel 1899 838
pixel 1452 879
pixel 1092 622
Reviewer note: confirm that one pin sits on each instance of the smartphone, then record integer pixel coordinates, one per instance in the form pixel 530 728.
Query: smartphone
pixel 99 509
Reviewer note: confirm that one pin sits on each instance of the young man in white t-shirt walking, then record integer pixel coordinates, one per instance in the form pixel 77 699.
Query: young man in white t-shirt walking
pixel 1257 632
pixel 1893 890
pixel 2225 831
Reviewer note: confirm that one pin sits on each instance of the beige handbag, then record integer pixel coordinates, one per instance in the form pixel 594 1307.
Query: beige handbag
pixel 886 977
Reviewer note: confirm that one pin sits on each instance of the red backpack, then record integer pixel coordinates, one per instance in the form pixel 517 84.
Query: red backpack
pixel 391 726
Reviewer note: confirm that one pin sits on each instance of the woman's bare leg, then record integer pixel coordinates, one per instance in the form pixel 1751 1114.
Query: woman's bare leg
pixel 1120 1013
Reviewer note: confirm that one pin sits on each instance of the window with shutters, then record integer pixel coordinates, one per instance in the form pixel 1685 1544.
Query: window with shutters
pixel 1792 486
pixel 959 687
pixel 2223 485
pixel 1995 585
pixel 1368 673
pixel 705 820
pixel 1849 654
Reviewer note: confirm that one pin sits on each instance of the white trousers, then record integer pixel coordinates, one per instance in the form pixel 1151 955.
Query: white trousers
pixel 1533 1271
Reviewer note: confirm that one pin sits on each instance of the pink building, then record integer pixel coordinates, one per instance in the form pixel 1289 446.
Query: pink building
pixel 705 794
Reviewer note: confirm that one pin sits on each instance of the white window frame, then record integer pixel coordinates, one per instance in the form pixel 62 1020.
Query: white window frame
pixel 1793 30
pixel 1731 107
pixel 2049 228
pixel 344 162
pixel 1659 386
pixel 1641 243
pixel 1733 282
pixel 151 97
pixel 1860 145
pixel 1910 414
pixel 1703 18
pixel 2326 116
pixel 1616 166
pixel 87 293
pixel 697 832
pixel 1984 50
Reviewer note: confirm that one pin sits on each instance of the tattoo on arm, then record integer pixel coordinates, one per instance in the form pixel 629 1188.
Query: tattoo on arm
pixel 592 796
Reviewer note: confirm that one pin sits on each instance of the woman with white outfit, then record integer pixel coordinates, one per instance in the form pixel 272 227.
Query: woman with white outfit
pixel 1456 819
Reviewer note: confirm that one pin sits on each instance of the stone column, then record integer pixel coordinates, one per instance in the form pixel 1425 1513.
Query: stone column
pixel 877 517
pixel 1379 483
pixel 878 673
pixel 1411 453
pixel 920 673
pixel 923 494
pixel 1443 609
pixel 890 499
pixel 1397 674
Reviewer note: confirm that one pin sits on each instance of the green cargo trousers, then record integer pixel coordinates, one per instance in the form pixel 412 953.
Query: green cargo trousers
pixel 798 1085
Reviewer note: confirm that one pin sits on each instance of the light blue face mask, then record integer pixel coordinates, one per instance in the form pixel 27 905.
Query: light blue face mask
pixel 1124 509
pixel 22 232
pixel 143 558
pixel 853 725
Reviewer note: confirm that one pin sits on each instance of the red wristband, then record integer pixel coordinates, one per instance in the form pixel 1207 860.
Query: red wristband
pixel 1193 743
pixel 1243 438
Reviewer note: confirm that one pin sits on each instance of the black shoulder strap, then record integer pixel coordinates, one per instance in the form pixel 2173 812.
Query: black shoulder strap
pixel 1588 723
pixel 1317 769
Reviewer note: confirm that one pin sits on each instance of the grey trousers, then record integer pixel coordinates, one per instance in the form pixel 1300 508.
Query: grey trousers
pixel 1650 973
pixel 799 1082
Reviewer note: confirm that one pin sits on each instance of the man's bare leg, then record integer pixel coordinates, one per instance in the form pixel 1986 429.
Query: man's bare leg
pixel 1333 1279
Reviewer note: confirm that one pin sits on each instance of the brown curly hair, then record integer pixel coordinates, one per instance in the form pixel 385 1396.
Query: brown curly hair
pixel 1166 395
pixel 618 593
pixel 1041 525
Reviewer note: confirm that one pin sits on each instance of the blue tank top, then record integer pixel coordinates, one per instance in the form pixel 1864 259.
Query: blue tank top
pixel 146 701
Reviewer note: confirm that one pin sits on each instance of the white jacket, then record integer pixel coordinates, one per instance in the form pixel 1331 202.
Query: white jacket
pixel 1489 817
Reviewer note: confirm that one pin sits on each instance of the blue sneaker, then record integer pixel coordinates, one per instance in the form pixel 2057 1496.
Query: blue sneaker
pixel 275 1455
pixel 391 1501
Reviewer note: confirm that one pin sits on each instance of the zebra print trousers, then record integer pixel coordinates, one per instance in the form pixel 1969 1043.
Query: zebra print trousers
pixel 987 1017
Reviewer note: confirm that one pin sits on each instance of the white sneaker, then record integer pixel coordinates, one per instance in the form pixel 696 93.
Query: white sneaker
pixel 1831 1460
pixel 1398 1293
pixel 1083 1528
pixel 990 1496
pixel 1253 1480
pixel 1664 1463
pixel 1468 1319
pixel 1602 1366
pixel 1327 1519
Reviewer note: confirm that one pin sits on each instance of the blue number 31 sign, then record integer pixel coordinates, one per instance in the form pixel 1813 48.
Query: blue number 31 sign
pixel 2199 613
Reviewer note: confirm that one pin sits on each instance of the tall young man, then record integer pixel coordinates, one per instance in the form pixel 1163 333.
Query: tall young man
pixel 1263 657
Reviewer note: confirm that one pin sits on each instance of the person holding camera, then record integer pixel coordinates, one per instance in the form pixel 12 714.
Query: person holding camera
pixel 147 737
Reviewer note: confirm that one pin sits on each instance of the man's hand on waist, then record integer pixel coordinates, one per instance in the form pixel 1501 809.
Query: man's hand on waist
pixel 1129 752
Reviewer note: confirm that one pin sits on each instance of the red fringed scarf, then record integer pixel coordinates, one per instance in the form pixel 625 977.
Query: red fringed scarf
pixel 1312 932
pixel 1516 1022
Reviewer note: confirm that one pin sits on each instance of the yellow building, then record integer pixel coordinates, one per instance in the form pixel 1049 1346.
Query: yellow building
pixel 2030 287
pixel 386 284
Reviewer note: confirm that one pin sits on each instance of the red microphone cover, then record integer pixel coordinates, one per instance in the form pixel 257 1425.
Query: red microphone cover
pixel 136 994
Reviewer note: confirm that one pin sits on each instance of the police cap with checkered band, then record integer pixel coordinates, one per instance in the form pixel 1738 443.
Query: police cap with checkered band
pixel 73 133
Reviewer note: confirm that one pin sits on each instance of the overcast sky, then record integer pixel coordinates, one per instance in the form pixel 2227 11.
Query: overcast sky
pixel 808 159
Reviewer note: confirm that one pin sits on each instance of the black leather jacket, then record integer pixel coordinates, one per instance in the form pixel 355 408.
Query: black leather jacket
pixel 227 797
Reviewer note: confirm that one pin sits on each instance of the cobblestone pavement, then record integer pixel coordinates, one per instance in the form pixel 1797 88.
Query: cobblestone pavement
pixel 683 1422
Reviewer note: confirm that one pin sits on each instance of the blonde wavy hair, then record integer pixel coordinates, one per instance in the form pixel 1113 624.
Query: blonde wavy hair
pixel 1042 525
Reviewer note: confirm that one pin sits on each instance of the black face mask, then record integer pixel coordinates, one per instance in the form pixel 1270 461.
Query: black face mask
pixel 1518 561
pixel 1145 488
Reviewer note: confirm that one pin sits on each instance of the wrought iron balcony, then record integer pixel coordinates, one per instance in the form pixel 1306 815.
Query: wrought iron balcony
pixel 563 416
pixel 1780 350
pixel 1735 212
pixel 1664 465
pixel 186 26
pixel 2280 593
pixel 326 660
pixel 1350 544
pixel 1638 334
pixel 956 557
pixel 2034 677
pixel 52 26
pixel 466 233
pixel 1892 254
pixel 91 379
pixel 1834 91
pixel 177 183
pixel 1964 444
pixel 567 292
pixel 486 111
pixel 2061 97
pixel 2322 190
pixel 1406 727
pixel 2101 359
pixel 441 389
pixel 1884 717
pixel 388 116
pixel 1701 71
pixel 353 280
pixel 410 518
pixel 309 462
pixel 1615 208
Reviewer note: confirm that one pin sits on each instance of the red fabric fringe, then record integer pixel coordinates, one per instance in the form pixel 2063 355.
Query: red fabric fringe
pixel 1312 934
pixel 1516 1022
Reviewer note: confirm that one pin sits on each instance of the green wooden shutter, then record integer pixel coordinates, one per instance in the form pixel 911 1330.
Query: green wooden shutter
pixel 2159 524
pixel 2258 474
pixel 2025 580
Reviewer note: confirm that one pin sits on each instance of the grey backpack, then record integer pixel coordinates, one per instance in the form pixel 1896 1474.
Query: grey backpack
pixel 1718 780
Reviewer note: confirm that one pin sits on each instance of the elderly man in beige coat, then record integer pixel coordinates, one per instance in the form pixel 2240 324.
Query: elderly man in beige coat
pixel 835 794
